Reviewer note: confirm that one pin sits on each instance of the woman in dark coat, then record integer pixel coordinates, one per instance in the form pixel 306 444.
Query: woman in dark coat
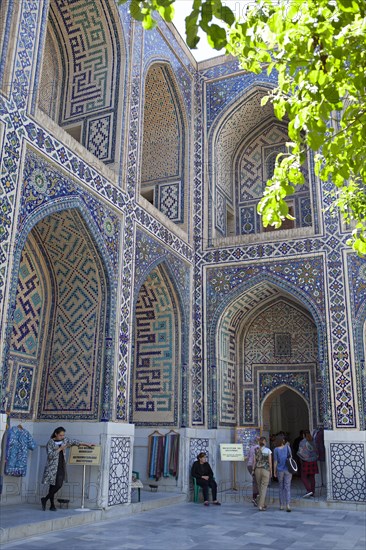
pixel 203 474
pixel 55 469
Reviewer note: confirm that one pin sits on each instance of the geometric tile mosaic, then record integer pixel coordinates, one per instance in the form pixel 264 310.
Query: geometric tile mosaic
pixel 119 470
pixel 297 380
pixel 232 131
pixel 348 467
pixel 162 127
pixel 28 308
pixel 23 389
pixel 169 195
pixel 24 357
pixel 73 362
pixel 98 141
pixel 156 361
pixel 86 40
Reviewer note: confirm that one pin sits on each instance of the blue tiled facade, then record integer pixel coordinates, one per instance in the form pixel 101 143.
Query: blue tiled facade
pixel 178 279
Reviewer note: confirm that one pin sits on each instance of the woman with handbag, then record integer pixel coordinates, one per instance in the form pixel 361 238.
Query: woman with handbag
pixel 281 453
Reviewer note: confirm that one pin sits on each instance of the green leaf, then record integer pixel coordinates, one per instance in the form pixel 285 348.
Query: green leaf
pixel 279 109
pixel 206 12
pixel 359 246
pixel 148 22
pixel 192 37
pixel 224 14
pixel 331 94
pixel 216 37
pixel 167 12
pixel 349 6
pixel 135 10
pixel 315 140
pixel 275 22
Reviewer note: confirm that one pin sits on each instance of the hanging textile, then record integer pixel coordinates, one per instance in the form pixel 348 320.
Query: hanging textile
pixel 174 456
pixel 3 451
pixel 171 456
pixel 166 456
pixel 156 455
pixel 18 444
pixel 163 455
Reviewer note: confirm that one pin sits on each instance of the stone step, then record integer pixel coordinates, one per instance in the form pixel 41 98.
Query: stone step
pixel 25 520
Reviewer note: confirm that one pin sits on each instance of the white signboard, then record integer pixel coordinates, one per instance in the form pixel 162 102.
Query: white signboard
pixel 231 451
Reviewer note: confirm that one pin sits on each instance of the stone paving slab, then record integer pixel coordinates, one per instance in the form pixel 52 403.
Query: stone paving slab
pixel 190 526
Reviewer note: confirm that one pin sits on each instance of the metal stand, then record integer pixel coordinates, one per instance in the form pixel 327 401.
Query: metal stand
pixel 82 509
pixel 234 488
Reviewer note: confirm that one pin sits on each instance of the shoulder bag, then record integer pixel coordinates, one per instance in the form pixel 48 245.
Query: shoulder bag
pixel 291 463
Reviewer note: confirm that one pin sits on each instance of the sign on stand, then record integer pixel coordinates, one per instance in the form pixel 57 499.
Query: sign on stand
pixel 234 453
pixel 84 456
pixel 231 451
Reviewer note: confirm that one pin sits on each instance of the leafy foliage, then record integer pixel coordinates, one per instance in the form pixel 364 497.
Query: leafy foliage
pixel 318 49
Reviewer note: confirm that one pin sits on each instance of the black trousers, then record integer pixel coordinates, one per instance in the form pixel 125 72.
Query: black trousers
pixel 60 476
pixel 205 485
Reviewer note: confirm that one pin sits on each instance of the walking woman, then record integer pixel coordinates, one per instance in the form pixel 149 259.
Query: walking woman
pixel 262 469
pixel 254 445
pixel 309 465
pixel 55 470
pixel 281 453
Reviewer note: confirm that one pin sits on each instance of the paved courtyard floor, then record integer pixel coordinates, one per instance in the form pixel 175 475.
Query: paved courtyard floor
pixel 190 526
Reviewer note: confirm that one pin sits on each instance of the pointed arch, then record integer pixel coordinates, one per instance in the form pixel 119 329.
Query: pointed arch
pixel 242 302
pixel 163 176
pixel 83 74
pixel 266 404
pixel 158 377
pixel 85 255
pixel 240 144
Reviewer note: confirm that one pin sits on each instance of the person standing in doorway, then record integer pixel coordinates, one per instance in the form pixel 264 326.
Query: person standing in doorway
pixel 295 447
pixel 281 454
pixel 253 447
pixel 309 466
pixel 262 469
pixel 55 469
pixel 203 474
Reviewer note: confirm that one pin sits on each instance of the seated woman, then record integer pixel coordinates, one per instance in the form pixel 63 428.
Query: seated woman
pixel 203 474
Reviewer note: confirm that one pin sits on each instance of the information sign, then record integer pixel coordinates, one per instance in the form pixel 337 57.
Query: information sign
pixel 85 456
pixel 231 451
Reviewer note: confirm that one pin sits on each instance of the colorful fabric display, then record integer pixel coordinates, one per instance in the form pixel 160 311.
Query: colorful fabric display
pixel 163 455
pixel 18 444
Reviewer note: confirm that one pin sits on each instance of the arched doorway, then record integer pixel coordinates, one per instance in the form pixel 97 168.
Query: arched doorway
pixel 265 339
pixel 285 410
